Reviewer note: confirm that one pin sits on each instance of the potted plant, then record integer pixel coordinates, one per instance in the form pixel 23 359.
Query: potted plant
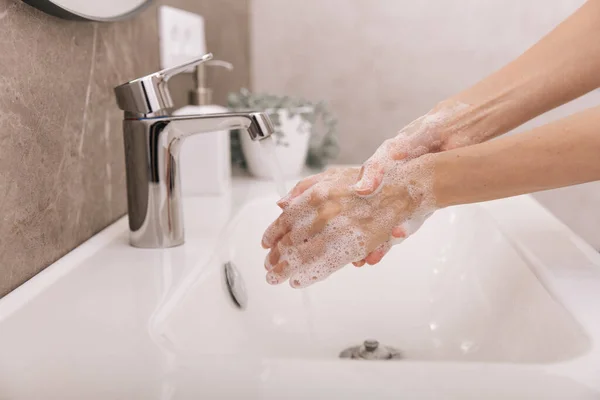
pixel 298 141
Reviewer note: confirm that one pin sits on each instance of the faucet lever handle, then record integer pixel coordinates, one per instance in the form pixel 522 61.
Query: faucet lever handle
pixel 168 73
pixel 150 94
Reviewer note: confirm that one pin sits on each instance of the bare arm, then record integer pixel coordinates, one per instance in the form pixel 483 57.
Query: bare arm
pixel 563 153
pixel 562 66
pixel 331 225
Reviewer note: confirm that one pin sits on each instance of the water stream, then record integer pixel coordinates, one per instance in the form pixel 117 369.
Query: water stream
pixel 269 152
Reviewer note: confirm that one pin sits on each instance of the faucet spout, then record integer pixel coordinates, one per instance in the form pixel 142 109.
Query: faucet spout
pixel 152 142
pixel 152 147
pixel 257 124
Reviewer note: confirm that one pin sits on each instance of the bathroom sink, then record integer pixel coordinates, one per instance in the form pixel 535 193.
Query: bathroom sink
pixel 457 291
pixel 493 300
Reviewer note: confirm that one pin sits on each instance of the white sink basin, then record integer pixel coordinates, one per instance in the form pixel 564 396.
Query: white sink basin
pixel 457 291
pixel 487 301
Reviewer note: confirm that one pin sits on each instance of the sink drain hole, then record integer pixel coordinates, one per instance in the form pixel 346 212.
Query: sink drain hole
pixel 371 350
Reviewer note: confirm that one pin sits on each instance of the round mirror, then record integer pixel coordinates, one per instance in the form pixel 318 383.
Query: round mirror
pixel 90 10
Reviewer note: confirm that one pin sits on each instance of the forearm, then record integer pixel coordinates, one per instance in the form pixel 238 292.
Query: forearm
pixel 559 154
pixel 562 66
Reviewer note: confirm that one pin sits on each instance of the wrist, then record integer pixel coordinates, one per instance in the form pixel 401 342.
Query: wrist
pixel 496 105
pixel 413 181
pixel 467 124
pixel 446 188
pixel 466 175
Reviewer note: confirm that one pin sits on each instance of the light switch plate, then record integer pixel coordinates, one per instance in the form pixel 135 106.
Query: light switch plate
pixel 181 35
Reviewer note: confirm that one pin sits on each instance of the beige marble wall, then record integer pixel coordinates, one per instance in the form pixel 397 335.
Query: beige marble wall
pixel 61 153
pixel 382 63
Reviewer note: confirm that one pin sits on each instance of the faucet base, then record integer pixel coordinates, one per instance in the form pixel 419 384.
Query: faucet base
pixel 152 147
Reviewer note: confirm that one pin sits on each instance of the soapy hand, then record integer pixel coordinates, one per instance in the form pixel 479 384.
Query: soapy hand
pixel 428 134
pixel 329 225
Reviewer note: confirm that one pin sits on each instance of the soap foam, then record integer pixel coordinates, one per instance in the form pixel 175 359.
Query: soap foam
pixel 362 225
pixel 429 133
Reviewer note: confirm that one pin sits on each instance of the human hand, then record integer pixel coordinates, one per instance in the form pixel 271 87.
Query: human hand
pixel 430 133
pixel 329 225
pixel 398 234
pixel 433 132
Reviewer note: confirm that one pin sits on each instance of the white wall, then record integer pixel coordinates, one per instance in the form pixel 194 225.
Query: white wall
pixel 382 63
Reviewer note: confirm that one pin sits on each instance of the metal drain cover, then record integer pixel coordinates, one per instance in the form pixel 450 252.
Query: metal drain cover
pixel 235 285
pixel 371 350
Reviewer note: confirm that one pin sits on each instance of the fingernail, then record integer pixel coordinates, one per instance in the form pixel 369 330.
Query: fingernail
pixel 283 201
pixel 272 279
pixel 361 173
pixel 398 232
pixel 264 244
pixel 361 186
pixel 279 267
pixel 399 156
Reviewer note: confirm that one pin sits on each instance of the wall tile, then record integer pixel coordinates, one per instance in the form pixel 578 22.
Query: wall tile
pixel 61 154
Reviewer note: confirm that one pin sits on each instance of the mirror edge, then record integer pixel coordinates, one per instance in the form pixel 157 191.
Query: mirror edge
pixel 50 8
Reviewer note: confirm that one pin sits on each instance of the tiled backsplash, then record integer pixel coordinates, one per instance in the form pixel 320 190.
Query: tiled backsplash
pixel 62 173
pixel 382 63
pixel 376 62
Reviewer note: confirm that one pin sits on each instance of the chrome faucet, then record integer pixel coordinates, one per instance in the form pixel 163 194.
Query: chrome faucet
pixel 153 139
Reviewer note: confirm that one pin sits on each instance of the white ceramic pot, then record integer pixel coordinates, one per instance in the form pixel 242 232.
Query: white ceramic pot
pixel 291 146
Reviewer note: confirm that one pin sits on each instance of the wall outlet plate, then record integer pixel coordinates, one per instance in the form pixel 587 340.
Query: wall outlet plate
pixel 181 35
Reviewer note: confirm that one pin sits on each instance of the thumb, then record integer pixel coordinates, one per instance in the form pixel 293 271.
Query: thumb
pixel 408 227
pixel 369 179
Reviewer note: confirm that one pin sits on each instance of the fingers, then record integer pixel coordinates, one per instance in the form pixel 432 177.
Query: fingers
pixel 282 260
pixel 325 214
pixel 377 254
pixel 372 172
pixel 275 232
pixel 399 149
pixel 281 247
pixel 300 188
pixel 412 225
pixel 272 258
pixel 399 155
pixel 298 260
pixel 398 232
pixel 310 275
pixel 369 179
pixel 279 274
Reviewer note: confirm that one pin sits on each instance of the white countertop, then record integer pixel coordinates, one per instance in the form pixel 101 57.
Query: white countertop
pixel 81 328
